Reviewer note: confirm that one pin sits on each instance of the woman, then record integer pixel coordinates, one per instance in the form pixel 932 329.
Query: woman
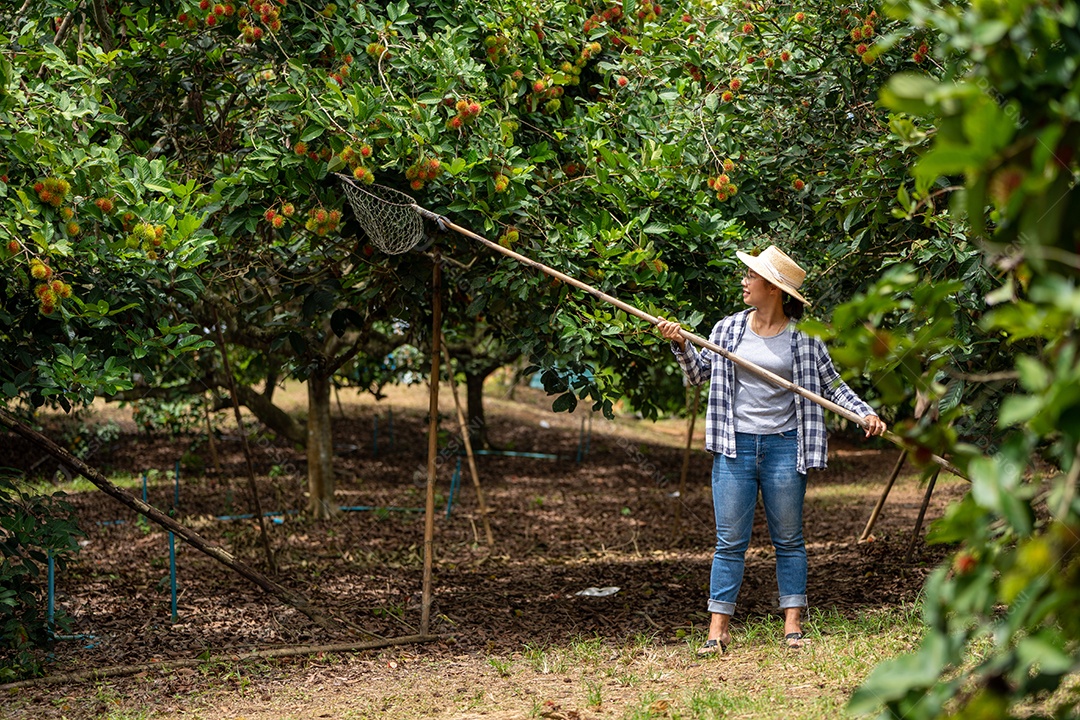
pixel 763 438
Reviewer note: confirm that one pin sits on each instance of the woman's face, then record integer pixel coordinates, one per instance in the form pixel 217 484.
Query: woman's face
pixel 755 290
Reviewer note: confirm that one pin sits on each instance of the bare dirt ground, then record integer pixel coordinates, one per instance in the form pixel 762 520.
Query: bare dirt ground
pixel 560 526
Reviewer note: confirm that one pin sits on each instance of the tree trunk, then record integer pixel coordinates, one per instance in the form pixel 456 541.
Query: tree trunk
pixel 320 449
pixel 474 384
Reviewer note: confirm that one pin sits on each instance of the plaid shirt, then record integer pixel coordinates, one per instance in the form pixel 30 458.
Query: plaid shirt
pixel 812 369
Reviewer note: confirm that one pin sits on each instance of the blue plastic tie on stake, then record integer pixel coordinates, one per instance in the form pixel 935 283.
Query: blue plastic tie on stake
pixel 273 515
pixel 144 487
pixel 455 480
pixel 172 574
pixel 514 453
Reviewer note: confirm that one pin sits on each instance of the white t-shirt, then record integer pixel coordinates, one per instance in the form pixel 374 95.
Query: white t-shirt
pixel 762 408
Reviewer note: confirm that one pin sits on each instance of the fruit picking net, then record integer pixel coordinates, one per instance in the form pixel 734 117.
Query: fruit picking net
pixel 390 218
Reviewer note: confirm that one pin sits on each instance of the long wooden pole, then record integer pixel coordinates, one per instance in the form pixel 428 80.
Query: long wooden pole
pixel 922 514
pixel 464 427
pixel 433 447
pixel 186 534
pixel 697 340
pixel 884 494
pixel 167 665
pixel 256 504
pixel 686 458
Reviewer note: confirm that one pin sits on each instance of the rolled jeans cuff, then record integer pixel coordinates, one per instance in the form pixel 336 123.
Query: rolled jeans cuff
pixel 721 608
pixel 792 601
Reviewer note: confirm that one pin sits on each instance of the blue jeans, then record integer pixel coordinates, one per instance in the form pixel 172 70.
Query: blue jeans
pixel 766 463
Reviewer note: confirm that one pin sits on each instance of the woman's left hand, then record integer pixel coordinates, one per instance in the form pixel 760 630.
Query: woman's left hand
pixel 873 425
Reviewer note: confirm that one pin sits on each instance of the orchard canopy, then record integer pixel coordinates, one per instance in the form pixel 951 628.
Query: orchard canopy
pixel 166 161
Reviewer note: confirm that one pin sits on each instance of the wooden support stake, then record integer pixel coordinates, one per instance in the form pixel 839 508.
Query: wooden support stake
pixel 922 514
pixel 211 442
pixel 255 503
pixel 884 494
pixel 686 459
pixel 433 447
pixel 286 596
pixel 464 426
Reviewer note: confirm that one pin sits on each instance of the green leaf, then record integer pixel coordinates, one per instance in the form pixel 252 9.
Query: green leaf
pixel 896 678
pixel 565 403
pixel 908 92
pixel 1017 409
pixel 1034 376
pixel 312 132
pixel 341 319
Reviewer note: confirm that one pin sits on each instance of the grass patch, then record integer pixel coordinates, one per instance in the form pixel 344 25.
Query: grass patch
pixel 79 484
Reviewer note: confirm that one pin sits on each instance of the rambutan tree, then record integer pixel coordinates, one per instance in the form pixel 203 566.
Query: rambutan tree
pixel 98 245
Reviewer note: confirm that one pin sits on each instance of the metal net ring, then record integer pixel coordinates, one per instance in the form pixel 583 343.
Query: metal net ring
pixel 389 217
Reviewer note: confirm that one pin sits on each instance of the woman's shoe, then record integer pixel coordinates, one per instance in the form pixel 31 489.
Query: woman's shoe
pixel 793 640
pixel 712 647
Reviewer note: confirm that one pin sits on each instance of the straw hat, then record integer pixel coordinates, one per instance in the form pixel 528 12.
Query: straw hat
pixel 778 269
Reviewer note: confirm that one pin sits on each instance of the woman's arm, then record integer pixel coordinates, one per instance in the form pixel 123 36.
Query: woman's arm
pixel 835 389
pixel 695 364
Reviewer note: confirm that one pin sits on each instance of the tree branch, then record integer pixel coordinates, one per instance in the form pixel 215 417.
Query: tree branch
pixel 101 19
pixel 285 595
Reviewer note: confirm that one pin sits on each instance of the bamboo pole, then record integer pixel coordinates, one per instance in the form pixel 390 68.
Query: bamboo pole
pixel 433 446
pixel 252 487
pixel 286 596
pixel 464 426
pixel 884 494
pixel 922 514
pixel 211 442
pixel 686 458
pixel 697 340
pixel 127 670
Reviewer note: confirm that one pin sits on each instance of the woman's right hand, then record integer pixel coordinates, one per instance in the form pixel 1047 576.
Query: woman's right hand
pixel 672 331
